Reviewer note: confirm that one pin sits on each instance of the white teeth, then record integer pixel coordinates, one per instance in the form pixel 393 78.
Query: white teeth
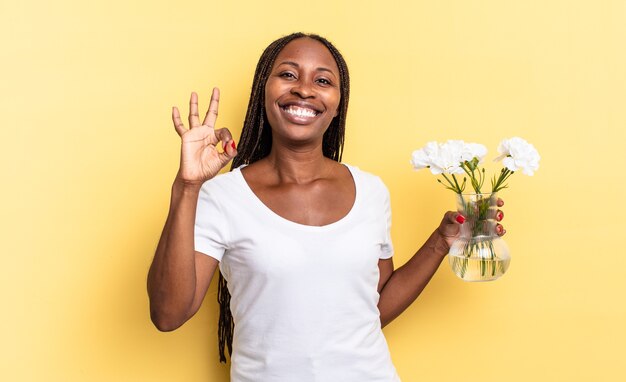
pixel 300 111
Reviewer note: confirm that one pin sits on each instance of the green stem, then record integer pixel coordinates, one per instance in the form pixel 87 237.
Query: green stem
pixel 482 177
pixel 449 182
pixel 483 266
pixel 475 184
pixel 498 184
pixel 457 184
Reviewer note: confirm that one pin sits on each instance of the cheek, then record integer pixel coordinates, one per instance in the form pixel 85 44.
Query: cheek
pixel 337 104
pixel 269 104
pixel 272 92
pixel 268 97
pixel 267 93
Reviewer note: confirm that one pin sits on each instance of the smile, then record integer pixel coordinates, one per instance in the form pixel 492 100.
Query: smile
pixel 298 111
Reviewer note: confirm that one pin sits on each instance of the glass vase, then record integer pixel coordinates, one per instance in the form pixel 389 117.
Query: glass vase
pixel 479 254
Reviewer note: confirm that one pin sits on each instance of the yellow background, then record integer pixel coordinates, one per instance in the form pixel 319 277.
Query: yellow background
pixel 89 153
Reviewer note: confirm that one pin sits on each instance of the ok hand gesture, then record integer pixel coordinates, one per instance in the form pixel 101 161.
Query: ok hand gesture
pixel 199 158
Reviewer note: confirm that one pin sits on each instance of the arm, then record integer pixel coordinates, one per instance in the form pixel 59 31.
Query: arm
pixel 398 289
pixel 179 276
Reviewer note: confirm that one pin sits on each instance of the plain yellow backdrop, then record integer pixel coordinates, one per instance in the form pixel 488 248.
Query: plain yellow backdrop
pixel 89 153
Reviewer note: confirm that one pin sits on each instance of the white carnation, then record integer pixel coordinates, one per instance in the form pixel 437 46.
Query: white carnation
pixel 517 154
pixel 420 158
pixel 447 158
pixel 439 158
pixel 474 150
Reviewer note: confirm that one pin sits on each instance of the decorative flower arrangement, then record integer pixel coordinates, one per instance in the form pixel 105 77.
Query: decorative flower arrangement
pixel 456 157
pixel 479 254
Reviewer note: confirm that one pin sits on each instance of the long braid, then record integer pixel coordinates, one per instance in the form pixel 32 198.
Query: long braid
pixel 256 143
pixel 226 324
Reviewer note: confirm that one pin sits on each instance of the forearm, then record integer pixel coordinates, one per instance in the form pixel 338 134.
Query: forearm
pixel 172 275
pixel 408 281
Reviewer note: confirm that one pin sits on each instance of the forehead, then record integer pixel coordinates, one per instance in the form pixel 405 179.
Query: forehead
pixel 306 51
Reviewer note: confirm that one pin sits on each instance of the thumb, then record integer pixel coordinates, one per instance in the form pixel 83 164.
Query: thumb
pixel 451 224
pixel 230 151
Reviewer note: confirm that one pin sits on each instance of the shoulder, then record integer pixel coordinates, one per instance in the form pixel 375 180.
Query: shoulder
pixel 367 180
pixel 222 184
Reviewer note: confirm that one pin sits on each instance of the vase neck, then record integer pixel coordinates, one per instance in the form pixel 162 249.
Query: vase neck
pixel 479 211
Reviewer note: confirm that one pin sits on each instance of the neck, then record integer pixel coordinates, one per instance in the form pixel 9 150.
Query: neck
pixel 299 165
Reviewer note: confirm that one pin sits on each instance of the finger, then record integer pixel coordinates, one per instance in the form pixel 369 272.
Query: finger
pixel 194 118
pixel 500 202
pixel 211 114
pixel 230 148
pixel 223 135
pixel 453 217
pixel 178 123
pixel 500 230
pixel 499 215
pixel 459 218
pixel 230 151
pixel 451 224
pixel 228 143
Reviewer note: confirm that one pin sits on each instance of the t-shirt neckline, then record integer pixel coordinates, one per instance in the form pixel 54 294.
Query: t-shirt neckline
pixel 268 211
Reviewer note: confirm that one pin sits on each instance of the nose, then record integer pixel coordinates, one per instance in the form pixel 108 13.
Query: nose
pixel 303 89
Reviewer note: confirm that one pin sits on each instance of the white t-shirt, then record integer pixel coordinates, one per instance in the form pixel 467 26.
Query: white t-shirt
pixel 303 298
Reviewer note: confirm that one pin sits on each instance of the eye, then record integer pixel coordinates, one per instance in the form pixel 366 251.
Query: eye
pixel 324 81
pixel 286 75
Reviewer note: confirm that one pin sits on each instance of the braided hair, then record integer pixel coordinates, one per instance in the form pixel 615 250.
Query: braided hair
pixel 256 143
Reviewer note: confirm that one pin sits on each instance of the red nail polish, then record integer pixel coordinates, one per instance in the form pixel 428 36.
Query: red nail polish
pixel 499 229
pixel 499 215
pixel 460 219
pixel 232 144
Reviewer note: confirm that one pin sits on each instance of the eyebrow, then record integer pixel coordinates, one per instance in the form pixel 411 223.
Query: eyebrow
pixel 295 64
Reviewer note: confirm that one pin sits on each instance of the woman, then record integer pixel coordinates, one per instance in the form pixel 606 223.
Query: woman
pixel 302 239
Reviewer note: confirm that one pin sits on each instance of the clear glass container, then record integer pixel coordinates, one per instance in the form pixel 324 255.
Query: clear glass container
pixel 479 254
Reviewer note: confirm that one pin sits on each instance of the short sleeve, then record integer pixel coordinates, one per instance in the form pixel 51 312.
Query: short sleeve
pixel 211 228
pixel 386 247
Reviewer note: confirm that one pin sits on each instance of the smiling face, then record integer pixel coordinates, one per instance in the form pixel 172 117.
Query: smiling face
pixel 302 93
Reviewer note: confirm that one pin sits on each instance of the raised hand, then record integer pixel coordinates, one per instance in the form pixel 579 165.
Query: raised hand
pixel 200 159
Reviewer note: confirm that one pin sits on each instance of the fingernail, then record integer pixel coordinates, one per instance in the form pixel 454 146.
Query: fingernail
pixel 499 229
pixel 499 215
pixel 233 145
pixel 500 202
pixel 460 219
